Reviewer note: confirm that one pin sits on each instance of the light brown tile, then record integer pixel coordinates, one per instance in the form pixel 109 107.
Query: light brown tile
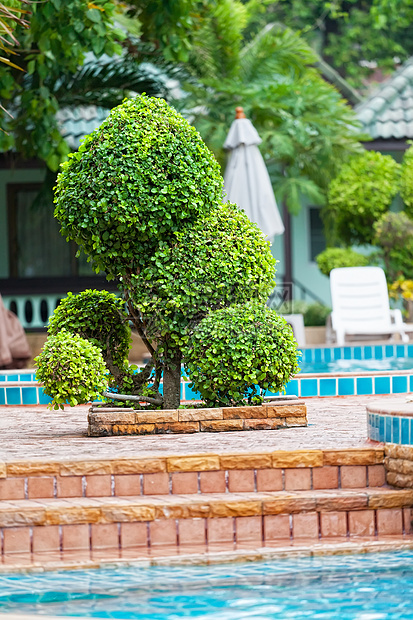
pixel 269 480
pixel 408 520
pixel 133 535
pixel 163 532
pixel 11 488
pixel 277 527
pixel 376 475
pixel 197 462
pixel 361 523
pixel 297 479
pixel 353 476
pixel 212 481
pixel 46 538
pixel 192 531
pixel 98 486
pixel 241 480
pixel 333 524
pixel 69 486
pixel 75 537
pixel 325 477
pixel 220 530
pixel 128 484
pixel 156 484
pixel 104 535
pixel 184 482
pixel 305 525
pixel 248 529
pixel 389 521
pixel 40 487
pixel 16 540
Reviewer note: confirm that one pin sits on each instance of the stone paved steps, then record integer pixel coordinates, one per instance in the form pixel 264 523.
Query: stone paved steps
pixel 154 521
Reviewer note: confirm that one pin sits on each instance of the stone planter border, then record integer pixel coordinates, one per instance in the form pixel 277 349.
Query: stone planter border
pixel 105 421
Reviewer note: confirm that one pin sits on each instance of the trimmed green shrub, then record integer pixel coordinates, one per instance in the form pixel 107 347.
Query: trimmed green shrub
pixel 222 260
pixel 98 316
pixel 360 194
pixel 334 258
pixel 142 175
pixel 71 369
pixel 237 353
pixel 394 237
pixel 406 180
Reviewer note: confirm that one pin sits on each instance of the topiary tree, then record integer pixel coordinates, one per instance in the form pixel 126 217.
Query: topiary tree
pixel 393 234
pixel 406 180
pixel 333 258
pixel 143 198
pixel 237 353
pixel 360 194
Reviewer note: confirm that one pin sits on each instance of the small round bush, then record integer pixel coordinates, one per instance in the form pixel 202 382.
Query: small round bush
pixel 143 174
pixel 237 353
pixel 71 369
pixel 98 316
pixel 333 258
pixel 361 193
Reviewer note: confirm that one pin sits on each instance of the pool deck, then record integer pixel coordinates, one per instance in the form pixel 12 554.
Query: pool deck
pixel 35 432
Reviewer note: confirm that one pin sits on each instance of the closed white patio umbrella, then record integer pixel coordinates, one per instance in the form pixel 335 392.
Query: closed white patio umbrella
pixel 246 178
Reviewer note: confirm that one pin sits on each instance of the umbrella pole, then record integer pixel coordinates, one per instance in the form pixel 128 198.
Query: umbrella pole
pixel 288 261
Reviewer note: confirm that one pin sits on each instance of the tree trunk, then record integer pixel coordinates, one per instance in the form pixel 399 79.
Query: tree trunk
pixel 172 381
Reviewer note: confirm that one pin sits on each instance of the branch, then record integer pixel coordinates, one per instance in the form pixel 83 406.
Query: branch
pixel 138 398
pixel 139 327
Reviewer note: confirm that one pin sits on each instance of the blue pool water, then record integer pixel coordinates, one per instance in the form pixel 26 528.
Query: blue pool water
pixel 355 365
pixel 365 587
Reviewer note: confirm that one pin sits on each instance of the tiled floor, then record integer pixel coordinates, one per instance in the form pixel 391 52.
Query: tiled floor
pixel 36 432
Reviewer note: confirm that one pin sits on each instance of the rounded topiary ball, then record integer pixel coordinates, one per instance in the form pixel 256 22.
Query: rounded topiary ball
pixel 137 178
pixel 71 369
pixel 237 353
pixel 98 316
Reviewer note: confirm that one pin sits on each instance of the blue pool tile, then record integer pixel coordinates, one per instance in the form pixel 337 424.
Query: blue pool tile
pixel 309 387
pixel 358 353
pixel 404 435
pixel 43 398
pixel 337 353
pixel 378 353
pixel 345 386
pixel 328 387
pixel 308 355
pixel 26 377
pixel 347 353
pixel 410 350
pixel 317 355
pixel 381 428
pixel 364 385
pixel 388 429
pixel 381 385
pixel 401 350
pixel 291 389
pixel 2 377
pixel 395 432
pixel 399 384
pixel 29 396
pixel 191 394
pixel 2 396
pixel 411 432
pixel 12 377
pixel 327 355
pixel 389 350
pixel 13 396
pixel 368 353
pixel 411 383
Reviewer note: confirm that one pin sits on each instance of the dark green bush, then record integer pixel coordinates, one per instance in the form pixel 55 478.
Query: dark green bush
pixel 98 316
pixel 394 237
pixel 71 369
pixel 314 314
pixel 406 180
pixel 238 353
pixel 333 258
pixel 142 175
pixel 360 194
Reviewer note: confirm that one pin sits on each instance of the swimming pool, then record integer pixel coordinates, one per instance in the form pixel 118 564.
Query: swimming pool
pixel 362 587
pixel 325 371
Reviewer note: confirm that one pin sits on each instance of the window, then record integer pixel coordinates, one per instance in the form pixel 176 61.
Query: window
pixel 36 247
pixel 317 238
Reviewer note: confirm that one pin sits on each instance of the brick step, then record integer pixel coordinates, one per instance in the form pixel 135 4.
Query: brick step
pixel 142 522
pixel 297 470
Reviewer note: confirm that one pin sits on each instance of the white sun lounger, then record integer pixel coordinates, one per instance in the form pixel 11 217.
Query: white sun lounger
pixel 360 303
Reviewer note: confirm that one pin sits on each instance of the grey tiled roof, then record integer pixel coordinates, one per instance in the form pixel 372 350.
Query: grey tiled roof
pixel 75 123
pixel 388 112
